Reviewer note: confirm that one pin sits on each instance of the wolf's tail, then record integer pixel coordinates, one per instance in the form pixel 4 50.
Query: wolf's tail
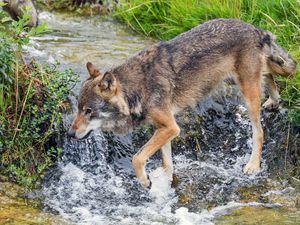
pixel 278 60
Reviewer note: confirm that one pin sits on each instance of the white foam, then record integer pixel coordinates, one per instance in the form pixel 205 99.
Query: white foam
pixel 188 218
pixel 161 186
pixel 157 212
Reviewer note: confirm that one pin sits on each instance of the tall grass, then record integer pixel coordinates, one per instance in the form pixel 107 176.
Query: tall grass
pixel 164 19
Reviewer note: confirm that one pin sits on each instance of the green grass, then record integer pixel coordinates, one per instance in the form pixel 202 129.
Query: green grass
pixel 164 19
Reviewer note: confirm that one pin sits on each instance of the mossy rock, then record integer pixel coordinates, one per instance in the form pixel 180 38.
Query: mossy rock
pixel 16 209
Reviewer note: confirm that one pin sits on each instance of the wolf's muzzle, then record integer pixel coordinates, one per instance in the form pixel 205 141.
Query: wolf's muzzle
pixel 71 133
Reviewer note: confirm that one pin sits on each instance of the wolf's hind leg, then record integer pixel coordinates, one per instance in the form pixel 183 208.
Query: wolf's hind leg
pixel 166 151
pixel 274 97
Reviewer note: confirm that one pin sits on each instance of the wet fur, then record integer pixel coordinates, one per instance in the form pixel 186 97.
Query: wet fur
pixel 154 85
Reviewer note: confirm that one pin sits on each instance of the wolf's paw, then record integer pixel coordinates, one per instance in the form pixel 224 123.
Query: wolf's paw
pixel 252 167
pixel 146 183
pixel 271 104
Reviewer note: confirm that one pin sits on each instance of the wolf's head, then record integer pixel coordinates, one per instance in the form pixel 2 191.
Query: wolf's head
pixel 100 105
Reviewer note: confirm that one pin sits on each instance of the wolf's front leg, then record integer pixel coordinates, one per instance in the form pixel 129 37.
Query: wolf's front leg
pixel 167 129
pixel 251 89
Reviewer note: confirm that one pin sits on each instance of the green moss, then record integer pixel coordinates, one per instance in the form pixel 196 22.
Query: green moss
pixel 259 215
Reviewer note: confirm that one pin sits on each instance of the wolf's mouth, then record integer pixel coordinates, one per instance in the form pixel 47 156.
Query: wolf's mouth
pixel 84 137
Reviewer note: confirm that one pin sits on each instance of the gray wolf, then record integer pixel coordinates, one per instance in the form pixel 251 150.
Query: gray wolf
pixel 16 9
pixel 157 83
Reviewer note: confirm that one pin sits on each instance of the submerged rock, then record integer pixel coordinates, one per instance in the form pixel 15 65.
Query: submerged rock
pixel 260 215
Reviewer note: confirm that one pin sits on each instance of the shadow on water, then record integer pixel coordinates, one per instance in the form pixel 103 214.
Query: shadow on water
pixel 94 182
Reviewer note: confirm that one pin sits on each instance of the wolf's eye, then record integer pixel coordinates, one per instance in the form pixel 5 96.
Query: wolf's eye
pixel 88 111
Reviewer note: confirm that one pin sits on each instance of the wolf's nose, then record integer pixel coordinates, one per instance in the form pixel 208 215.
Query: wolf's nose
pixel 71 133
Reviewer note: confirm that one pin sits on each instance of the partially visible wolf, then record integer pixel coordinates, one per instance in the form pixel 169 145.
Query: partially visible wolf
pixel 154 85
pixel 17 8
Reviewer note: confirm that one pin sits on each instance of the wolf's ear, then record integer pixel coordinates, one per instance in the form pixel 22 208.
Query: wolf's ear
pixel 108 82
pixel 92 70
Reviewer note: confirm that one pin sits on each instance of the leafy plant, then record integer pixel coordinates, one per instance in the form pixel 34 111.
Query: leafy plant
pixel 32 98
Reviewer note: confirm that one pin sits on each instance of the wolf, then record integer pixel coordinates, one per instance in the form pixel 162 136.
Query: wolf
pixel 157 83
pixel 16 9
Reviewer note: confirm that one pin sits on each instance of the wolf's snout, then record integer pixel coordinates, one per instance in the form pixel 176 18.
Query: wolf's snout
pixel 71 133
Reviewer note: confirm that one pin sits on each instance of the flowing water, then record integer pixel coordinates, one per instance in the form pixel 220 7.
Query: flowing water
pixel 94 182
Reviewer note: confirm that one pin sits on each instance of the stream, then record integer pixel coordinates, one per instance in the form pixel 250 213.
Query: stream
pixel 94 182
